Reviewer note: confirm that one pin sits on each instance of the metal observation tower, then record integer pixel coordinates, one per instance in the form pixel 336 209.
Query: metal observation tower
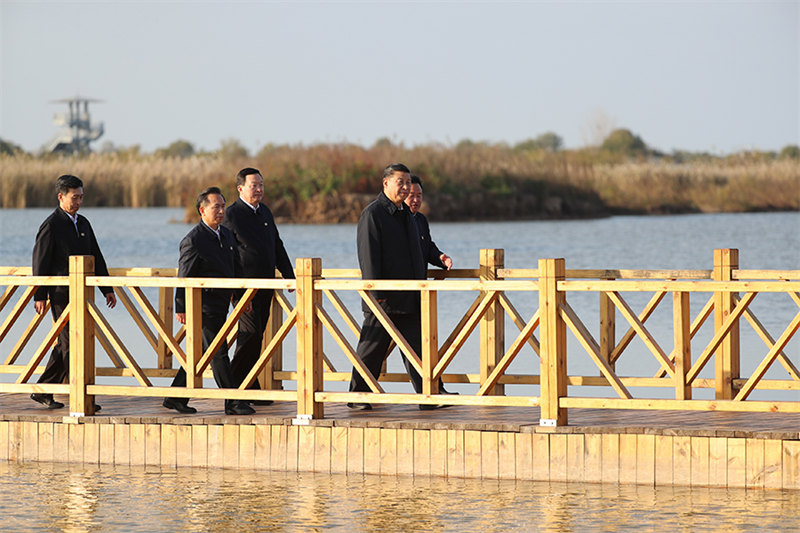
pixel 77 129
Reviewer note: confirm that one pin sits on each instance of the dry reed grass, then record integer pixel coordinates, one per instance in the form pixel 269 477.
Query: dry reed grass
pixel 464 174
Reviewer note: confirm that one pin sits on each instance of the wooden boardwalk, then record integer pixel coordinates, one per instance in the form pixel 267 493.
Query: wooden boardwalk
pixel 725 449
pixel 121 410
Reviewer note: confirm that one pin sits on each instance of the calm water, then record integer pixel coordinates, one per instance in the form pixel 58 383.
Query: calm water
pixel 68 498
pixel 58 497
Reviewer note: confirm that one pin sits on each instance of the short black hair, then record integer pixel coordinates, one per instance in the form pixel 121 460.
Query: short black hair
pixel 395 167
pixel 202 199
pixel 67 182
pixel 415 179
pixel 241 177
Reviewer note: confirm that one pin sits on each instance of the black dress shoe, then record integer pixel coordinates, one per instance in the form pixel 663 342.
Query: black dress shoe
pixel 360 406
pixel 239 408
pixel 46 400
pixel 431 407
pixel 261 402
pixel 179 406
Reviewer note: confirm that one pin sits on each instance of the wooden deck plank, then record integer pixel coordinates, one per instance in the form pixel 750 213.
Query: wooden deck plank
pixel 355 450
pixel 773 456
pixel 183 445
pixel 593 457
pixel 305 448
pixel 699 457
pixel 215 441
pixel 754 463
pixel 152 444
pixel 646 459
pixel 91 443
pixel 106 443
pixel 438 452
pixel 405 451
pixel 664 449
pixel 507 455
pixel 30 441
pixel 524 455
pixel 455 453
pixel 137 444
pixel 338 461
pixel 261 446
pixel 322 449
pixel 46 440
pixel 718 462
pixel 169 444
pixel 681 460
pixel 230 446
pixel 472 454
pixel 558 457
pixel 575 457
pixel 737 461
pixel 422 452
pixel 247 446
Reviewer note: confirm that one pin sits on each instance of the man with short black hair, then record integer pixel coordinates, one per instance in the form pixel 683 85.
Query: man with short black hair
pixel 388 248
pixel 62 234
pixel 261 251
pixel 430 252
pixel 209 251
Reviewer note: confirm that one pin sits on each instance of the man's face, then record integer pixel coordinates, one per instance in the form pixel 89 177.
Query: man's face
pixel 71 200
pixel 213 212
pixel 396 187
pixel 414 198
pixel 253 189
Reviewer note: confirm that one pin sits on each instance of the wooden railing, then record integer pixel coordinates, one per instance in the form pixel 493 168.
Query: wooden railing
pixel 322 323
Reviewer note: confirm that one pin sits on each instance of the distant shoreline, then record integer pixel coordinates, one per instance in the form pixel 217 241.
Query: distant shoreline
pixel 332 183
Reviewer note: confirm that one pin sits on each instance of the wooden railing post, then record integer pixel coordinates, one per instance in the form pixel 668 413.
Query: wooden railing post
pixel 309 340
pixel 166 308
pixel 275 364
pixel 553 343
pixel 683 346
pixel 493 322
pixel 81 336
pixel 726 362
pixel 608 340
pixel 194 336
pixel 430 341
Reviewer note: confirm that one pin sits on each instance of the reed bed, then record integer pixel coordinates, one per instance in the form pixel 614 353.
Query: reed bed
pixel 332 182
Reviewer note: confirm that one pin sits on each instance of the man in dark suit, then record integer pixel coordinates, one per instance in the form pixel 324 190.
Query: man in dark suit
pixel 209 251
pixel 261 251
pixel 430 252
pixel 388 248
pixel 62 234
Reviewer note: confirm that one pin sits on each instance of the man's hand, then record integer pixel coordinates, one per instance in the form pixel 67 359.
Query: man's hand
pixel 181 318
pixel 39 306
pixel 446 261
pixel 111 300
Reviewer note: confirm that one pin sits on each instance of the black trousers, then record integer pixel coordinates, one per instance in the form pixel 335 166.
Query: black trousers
pixel 374 343
pixel 248 340
pixel 220 364
pixel 57 368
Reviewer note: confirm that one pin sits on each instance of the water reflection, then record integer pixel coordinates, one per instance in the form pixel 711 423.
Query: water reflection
pixel 39 497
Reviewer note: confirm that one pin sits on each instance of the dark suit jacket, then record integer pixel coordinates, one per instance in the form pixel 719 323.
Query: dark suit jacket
pixel 388 248
pixel 204 256
pixel 55 242
pixel 260 246
pixel 430 252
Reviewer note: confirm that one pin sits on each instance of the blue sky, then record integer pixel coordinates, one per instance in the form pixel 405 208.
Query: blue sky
pixel 700 76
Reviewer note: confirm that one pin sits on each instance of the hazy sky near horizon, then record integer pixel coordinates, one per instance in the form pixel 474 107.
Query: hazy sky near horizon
pixel 700 76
